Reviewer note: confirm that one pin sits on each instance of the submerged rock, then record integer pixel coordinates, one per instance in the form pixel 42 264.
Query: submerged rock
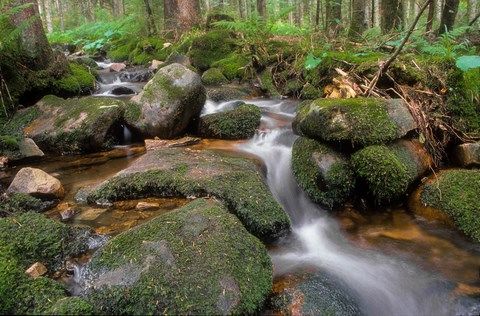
pixel 168 103
pixel 468 154
pixel 239 123
pixel 183 172
pixel 37 183
pixel 74 125
pixel 388 171
pixel 152 144
pixel 324 174
pixel 360 121
pixel 195 260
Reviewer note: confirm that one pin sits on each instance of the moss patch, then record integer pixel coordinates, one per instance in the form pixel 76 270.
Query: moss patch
pixel 322 173
pixel 211 47
pixel 20 203
pixel 71 306
pixel 234 66
pixel 195 260
pixel 239 123
pixel 79 81
pixel 456 192
pixel 214 76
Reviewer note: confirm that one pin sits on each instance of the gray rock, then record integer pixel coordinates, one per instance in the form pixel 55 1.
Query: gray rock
pixel 468 154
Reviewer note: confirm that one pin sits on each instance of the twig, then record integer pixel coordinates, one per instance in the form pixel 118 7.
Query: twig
pixel 384 66
pixel 474 19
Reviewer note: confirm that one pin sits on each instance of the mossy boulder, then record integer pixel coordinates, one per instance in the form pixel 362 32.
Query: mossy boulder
pixel 169 102
pixel 234 66
pixel 195 260
pixel 309 92
pixel 183 172
pixel 227 93
pixel 455 194
pixel 211 47
pixel 20 203
pixel 239 123
pixel 324 174
pixel 79 80
pixel 71 306
pixel 388 171
pixel 267 84
pixel 214 76
pixel 360 121
pixel 74 125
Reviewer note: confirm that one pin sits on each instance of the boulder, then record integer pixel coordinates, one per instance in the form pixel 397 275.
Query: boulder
pixel 324 174
pixel 359 122
pixel 226 93
pixel 17 148
pixel 211 47
pixel 451 196
pixel 195 260
pixel 122 90
pixel 214 76
pixel 28 149
pixel 117 67
pixel 239 123
pixel 388 171
pixel 168 103
pixel 183 172
pixel 176 58
pixel 37 183
pixel 468 154
pixel 74 125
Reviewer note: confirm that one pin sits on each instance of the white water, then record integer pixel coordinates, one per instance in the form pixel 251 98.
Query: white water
pixel 383 285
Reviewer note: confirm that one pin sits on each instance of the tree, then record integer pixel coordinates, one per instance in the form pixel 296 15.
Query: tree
pixel 449 14
pixel 333 16
pixel 391 15
pixel 357 23
pixel 188 14
pixel 262 9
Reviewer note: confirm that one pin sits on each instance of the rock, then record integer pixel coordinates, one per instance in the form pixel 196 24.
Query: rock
pixel 183 172
pixel 239 123
pixel 152 144
pixel 176 58
pixel 468 154
pixel 155 64
pixel 146 206
pixel 195 260
pixel 36 270
pixel 122 90
pixel 36 183
pixel 324 174
pixel 267 84
pixel 388 171
pixel 452 196
pixel 29 149
pixel 168 103
pixel 20 203
pixel 360 121
pixel 74 125
pixel 71 305
pixel 90 214
pixel 3 162
pixel 214 76
pixel 226 93
pixel 211 47
pixel 117 67
pixel 15 149
pixel 136 75
pixel 66 211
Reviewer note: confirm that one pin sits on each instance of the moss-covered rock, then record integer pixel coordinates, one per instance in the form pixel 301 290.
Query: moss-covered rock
pixel 195 260
pixel 168 103
pixel 37 296
pixel 322 173
pixel 234 66
pixel 211 47
pixel 360 121
pixel 182 172
pixel 78 81
pixel 227 93
pixel 455 193
pixel 20 203
pixel 74 125
pixel 267 84
pixel 309 92
pixel 239 123
pixel 388 171
pixel 71 306
pixel 214 76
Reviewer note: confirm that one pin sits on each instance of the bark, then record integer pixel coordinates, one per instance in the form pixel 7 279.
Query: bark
pixel 118 8
pixel 472 9
pixel 391 15
pixel 357 23
pixel 449 14
pixel 376 13
pixel 430 17
pixel 317 15
pixel 170 12
pixel 262 9
pixel 189 14
pixel 241 9
pixel 60 12
pixel 152 29
pixel 48 15
pixel 333 16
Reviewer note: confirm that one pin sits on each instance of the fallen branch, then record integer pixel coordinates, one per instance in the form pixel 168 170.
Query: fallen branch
pixel 384 66
pixel 474 19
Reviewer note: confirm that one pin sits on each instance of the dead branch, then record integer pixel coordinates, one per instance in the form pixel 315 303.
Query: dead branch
pixel 474 19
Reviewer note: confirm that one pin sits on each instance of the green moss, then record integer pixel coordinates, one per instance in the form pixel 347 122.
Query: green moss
pixel 14 126
pixel 149 49
pixel 37 296
pixel 456 193
pixel 195 260
pixel 211 47
pixel 71 306
pixel 239 123
pixel 133 111
pixel 78 82
pixel 8 143
pixel 214 76
pixel 11 276
pixel 309 92
pixel 233 180
pixel 384 172
pixel 267 83
pixel 120 50
pixel 329 186
pixel 360 121
pixel 234 66
pixel 20 203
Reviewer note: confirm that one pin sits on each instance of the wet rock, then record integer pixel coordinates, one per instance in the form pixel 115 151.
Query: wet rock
pixel 226 93
pixel 451 196
pixel 66 211
pixel 36 270
pixel 90 214
pixel 155 64
pixel 239 123
pixel 468 154
pixel 168 103
pixel 359 121
pixel 196 260
pixel 146 206
pixel 29 149
pixel 74 125
pixel 388 171
pixel 136 75
pixel 324 174
pixel 37 183
pixel 117 67
pixel 122 90
pixel 152 144
pixel 183 172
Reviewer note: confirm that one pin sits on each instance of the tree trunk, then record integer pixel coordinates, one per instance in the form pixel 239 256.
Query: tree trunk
pixel 170 12
pixel 60 13
pixel 118 8
pixel 391 15
pixel 262 9
pixel 430 17
pixel 189 14
pixel 448 16
pixel 357 23
pixel 376 13
pixel 241 9
pixel 48 15
pixel 333 16
pixel 152 29
pixel 472 9
pixel 317 15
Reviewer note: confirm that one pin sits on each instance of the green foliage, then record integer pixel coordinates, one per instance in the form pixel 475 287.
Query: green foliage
pixel 311 62
pixel 211 47
pixel 11 275
pixel 8 143
pixel 38 295
pixel 466 63
pixel 455 192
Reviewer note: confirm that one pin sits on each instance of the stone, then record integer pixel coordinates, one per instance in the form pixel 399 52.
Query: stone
pixel 90 214
pixel 29 149
pixel 66 211
pixel 226 93
pixel 152 144
pixel 214 76
pixel 136 75
pixel 468 154
pixel 36 270
pixel 117 67
pixel 176 58
pixel 37 183
pixel 121 90
pixel 155 64
pixel 3 161
pixel 169 102
pixel 198 259
pixel 146 206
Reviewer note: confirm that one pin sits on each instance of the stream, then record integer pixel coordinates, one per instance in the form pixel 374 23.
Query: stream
pixel 389 261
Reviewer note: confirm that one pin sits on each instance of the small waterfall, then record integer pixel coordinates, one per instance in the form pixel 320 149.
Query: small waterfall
pixel 127 135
